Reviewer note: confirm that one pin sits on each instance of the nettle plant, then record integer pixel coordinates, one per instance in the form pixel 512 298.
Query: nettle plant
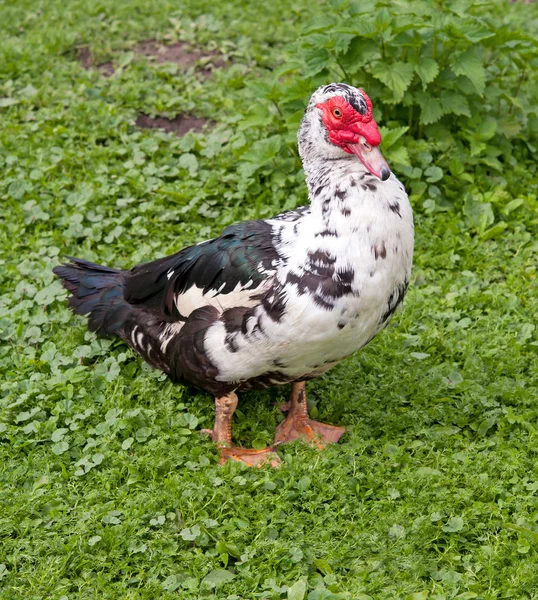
pixel 454 85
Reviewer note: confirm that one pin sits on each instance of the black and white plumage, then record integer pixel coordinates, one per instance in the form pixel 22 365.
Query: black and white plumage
pixel 276 300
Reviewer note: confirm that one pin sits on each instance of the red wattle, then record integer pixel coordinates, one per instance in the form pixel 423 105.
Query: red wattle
pixel 370 132
pixel 350 124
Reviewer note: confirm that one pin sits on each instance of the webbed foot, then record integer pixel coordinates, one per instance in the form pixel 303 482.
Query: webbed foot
pixel 252 458
pixel 298 425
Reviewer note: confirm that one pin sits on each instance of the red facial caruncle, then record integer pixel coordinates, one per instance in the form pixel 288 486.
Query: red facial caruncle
pixel 355 133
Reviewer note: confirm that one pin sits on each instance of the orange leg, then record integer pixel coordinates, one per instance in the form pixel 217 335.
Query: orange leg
pixel 221 434
pixel 298 424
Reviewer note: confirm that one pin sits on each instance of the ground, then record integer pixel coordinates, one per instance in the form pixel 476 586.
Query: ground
pixel 108 491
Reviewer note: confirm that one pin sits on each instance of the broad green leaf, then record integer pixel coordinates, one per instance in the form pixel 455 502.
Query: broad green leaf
pixel 363 27
pixel 509 126
pixel 430 108
pixel 190 162
pixel 525 332
pixel 456 166
pixel 190 420
pixel 43 480
pixel 17 189
pixel 512 205
pixel 318 40
pixel 264 150
pixel 413 172
pixel 427 69
pixel 127 443
pixel 190 533
pixel 470 65
pixel 325 594
pixel 58 434
pixel 342 42
pixel 258 116
pixel 428 472
pixel 263 89
pixel 297 591
pixel 391 136
pixel 399 156
pixel 293 122
pixel 316 60
pixel 419 355
pixel 113 518
pixel 486 129
pixel 323 566
pixel 142 434
pixel 297 89
pixel 475 31
pixel 492 162
pixel 477 147
pixel 495 231
pixel 396 532
pixel 228 548
pixel 288 67
pixel 5 102
pixel 397 77
pixel 465 86
pixel 455 103
pixel 485 426
pixel 479 213
pixel 94 539
pixel 433 174
pixel 217 577
pixel 382 20
pixel 360 52
pixel 453 525
pixel 303 483
pixel 319 24
pixel 126 59
pixel 418 596
pixel 60 448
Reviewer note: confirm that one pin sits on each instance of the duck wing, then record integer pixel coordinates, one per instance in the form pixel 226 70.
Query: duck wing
pixel 239 261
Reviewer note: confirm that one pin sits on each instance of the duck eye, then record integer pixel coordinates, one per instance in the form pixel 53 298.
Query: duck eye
pixel 338 113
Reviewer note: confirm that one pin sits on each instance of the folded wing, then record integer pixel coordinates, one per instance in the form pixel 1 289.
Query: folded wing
pixel 218 272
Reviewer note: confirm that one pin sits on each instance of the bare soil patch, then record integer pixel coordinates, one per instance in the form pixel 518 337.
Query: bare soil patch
pixel 180 53
pixel 179 125
pixel 86 60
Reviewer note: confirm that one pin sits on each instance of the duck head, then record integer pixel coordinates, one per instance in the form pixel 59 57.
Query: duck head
pixel 338 123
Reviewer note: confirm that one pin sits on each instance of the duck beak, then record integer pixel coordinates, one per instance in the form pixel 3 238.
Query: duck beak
pixel 371 158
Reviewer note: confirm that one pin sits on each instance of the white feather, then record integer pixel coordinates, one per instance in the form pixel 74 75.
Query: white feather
pixel 169 332
pixel 307 337
pixel 241 295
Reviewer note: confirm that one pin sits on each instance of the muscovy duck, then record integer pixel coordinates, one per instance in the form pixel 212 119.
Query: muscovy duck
pixel 272 301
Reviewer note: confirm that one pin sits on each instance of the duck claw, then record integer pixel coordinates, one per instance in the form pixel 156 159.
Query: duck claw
pixel 313 432
pixel 250 457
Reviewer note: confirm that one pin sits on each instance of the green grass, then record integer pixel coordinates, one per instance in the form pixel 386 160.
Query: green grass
pixel 107 490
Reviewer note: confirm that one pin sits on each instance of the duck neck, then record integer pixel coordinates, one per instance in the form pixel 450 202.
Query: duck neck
pixel 340 191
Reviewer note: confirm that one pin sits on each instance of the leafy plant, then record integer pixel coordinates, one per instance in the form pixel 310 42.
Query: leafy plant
pixel 107 489
pixel 454 85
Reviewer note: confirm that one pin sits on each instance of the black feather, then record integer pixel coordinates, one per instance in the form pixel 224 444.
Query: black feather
pixel 139 305
pixel 95 290
pixel 218 264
